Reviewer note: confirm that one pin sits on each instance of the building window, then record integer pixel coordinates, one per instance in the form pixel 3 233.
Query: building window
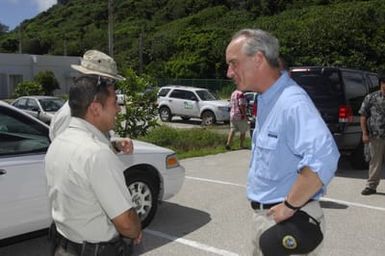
pixel 14 79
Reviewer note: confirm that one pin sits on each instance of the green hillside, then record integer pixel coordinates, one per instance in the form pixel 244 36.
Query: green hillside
pixel 187 39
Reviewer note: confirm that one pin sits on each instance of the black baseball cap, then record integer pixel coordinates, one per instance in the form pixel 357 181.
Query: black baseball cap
pixel 300 234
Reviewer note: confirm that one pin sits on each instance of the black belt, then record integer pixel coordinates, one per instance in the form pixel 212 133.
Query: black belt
pixel 260 206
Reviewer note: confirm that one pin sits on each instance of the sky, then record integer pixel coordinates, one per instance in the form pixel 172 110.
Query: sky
pixel 13 12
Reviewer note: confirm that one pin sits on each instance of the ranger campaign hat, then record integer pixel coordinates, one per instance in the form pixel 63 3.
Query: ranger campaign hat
pixel 97 63
pixel 300 234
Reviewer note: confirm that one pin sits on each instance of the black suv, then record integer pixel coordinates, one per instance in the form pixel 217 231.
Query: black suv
pixel 338 94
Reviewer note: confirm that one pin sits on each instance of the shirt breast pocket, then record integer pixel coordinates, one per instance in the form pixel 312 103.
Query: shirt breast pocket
pixel 266 146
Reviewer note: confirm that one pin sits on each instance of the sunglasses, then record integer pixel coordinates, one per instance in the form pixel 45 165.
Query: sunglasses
pixel 104 82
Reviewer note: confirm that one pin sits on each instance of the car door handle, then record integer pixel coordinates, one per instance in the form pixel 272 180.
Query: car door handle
pixel 2 171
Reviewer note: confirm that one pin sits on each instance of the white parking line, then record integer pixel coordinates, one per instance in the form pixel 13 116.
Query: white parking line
pixel 322 198
pixel 216 181
pixel 191 243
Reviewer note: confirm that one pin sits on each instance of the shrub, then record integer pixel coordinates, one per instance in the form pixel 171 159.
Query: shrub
pixel 140 107
pixel 28 88
pixel 48 81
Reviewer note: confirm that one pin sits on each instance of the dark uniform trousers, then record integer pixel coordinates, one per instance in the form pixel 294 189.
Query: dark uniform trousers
pixel 61 246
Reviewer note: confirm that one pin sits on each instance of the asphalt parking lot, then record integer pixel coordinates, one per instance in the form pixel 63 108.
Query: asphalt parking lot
pixel 211 216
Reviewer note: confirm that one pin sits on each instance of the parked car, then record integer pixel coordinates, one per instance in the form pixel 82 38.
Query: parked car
pixel 152 173
pixel 338 94
pixel 251 98
pixel 188 102
pixel 120 97
pixel 41 107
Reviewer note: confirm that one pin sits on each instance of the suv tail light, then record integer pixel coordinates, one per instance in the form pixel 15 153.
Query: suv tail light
pixel 345 114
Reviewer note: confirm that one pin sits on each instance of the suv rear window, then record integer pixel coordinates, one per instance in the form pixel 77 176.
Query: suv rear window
pixel 319 84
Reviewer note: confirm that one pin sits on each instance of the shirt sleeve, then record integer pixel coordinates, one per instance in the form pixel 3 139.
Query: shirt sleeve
pixel 60 121
pixel 364 110
pixel 108 183
pixel 311 140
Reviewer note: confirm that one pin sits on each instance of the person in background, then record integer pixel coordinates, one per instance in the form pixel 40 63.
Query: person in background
pixel 372 123
pixel 294 156
pixel 238 118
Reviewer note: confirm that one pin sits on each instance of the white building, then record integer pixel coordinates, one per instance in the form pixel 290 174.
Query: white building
pixel 16 68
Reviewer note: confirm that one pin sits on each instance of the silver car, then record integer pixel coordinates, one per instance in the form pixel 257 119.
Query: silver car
pixel 41 107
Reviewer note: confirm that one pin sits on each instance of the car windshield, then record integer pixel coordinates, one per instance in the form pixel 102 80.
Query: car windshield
pixel 51 105
pixel 205 95
pixel 19 135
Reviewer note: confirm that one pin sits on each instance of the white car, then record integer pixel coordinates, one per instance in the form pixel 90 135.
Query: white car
pixel 41 107
pixel 152 174
pixel 187 102
pixel 120 97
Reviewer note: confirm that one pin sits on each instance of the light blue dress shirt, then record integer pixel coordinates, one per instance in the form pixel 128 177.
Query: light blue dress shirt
pixel 289 134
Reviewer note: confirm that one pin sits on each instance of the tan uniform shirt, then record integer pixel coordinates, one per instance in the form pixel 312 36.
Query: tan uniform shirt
pixel 86 184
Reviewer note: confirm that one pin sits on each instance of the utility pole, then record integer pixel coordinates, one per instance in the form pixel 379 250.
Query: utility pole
pixel 110 30
pixel 141 52
pixel 20 45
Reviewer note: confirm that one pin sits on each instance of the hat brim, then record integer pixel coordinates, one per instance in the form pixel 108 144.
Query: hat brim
pixel 84 70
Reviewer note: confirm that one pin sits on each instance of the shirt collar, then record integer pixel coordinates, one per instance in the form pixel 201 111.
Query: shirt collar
pixel 273 91
pixel 89 128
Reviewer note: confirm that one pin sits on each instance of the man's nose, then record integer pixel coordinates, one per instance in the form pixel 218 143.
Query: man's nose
pixel 230 72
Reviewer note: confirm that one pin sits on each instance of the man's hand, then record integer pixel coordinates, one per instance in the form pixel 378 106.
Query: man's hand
pixel 280 212
pixel 124 145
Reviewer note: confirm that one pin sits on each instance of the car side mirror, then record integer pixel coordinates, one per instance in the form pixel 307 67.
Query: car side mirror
pixel 193 98
pixel 36 109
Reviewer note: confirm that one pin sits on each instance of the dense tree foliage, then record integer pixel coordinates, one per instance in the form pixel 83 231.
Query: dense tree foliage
pixel 187 38
pixel 3 29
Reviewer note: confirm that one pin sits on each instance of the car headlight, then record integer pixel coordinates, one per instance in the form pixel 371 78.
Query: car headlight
pixel 224 109
pixel 172 161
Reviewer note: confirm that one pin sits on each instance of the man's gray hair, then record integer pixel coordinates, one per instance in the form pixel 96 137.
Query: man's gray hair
pixel 258 40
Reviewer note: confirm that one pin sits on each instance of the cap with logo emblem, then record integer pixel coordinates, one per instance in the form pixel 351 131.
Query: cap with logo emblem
pixel 300 234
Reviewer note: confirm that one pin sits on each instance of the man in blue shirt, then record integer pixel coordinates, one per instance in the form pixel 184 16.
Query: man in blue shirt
pixel 294 156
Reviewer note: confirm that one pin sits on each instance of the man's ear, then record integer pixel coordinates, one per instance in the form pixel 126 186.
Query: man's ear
pixel 94 108
pixel 258 58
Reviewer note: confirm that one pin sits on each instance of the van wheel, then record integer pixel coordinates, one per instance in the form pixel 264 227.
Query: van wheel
pixel 165 114
pixel 357 158
pixel 144 192
pixel 208 118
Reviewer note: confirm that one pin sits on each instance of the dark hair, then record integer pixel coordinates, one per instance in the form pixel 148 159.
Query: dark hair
pixel 381 78
pixel 86 90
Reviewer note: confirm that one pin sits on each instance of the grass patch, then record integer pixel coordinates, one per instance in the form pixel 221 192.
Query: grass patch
pixel 191 142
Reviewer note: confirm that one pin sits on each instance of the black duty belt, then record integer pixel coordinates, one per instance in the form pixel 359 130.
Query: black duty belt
pixel 68 245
